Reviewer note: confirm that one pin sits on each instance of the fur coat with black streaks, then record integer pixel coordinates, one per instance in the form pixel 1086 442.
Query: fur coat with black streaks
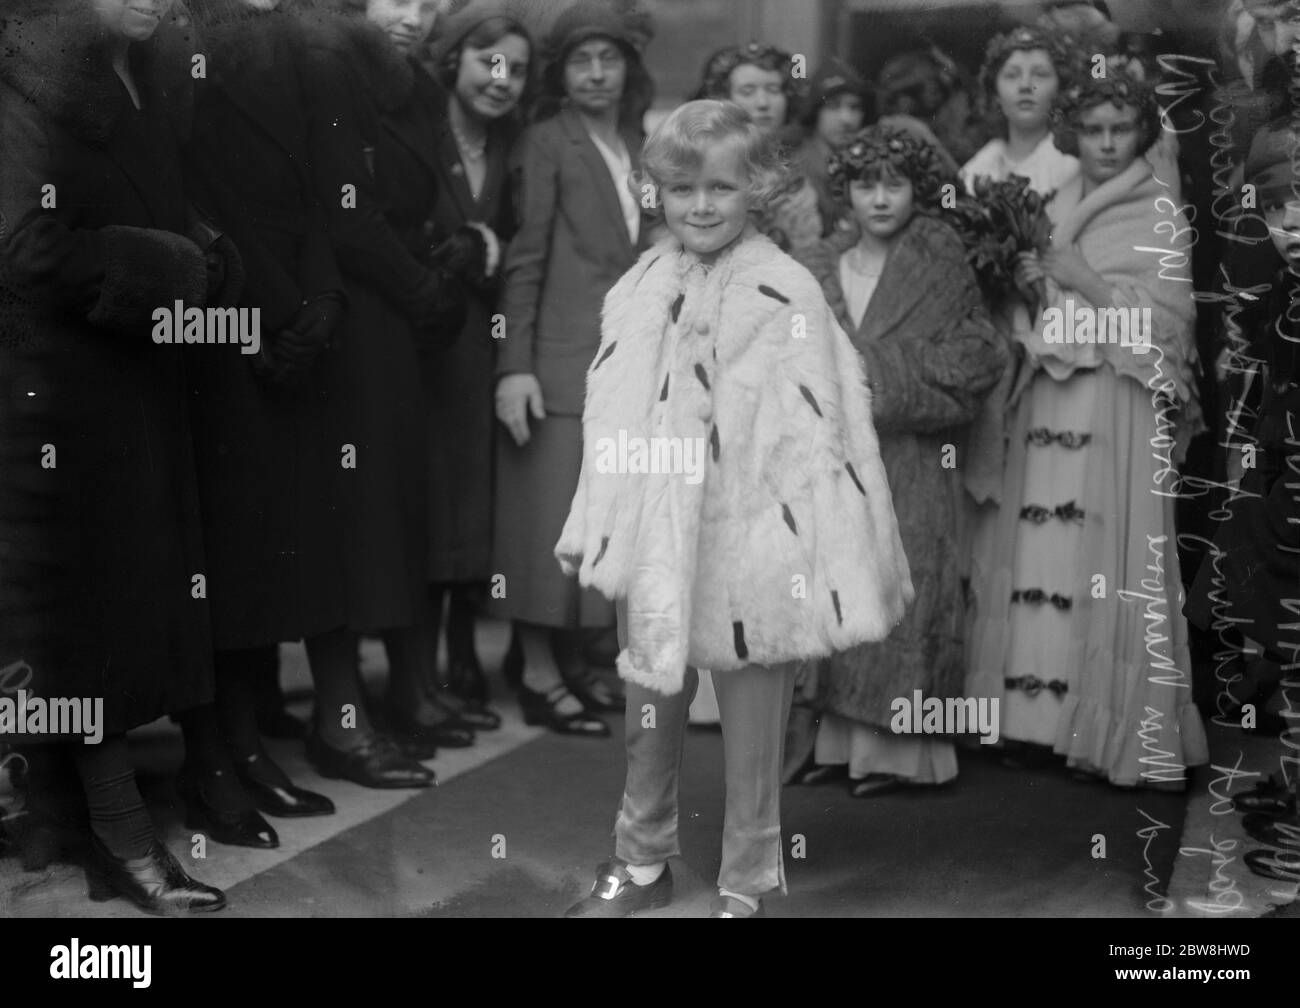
pixel 786 545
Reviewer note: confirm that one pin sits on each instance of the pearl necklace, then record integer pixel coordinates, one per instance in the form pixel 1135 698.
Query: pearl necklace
pixel 471 152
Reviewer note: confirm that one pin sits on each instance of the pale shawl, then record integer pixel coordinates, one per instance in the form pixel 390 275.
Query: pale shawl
pixel 1132 232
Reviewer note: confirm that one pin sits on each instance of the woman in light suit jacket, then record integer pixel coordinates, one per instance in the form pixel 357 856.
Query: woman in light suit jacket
pixel 579 231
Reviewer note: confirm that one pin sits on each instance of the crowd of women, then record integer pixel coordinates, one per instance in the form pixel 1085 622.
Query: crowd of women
pixel 427 205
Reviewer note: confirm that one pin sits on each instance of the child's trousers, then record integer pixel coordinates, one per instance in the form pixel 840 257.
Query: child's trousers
pixel 754 704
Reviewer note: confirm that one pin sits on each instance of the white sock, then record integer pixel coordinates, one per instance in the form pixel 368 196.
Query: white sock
pixel 643 875
pixel 749 901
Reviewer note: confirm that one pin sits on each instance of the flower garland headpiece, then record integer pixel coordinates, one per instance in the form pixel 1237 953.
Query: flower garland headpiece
pixel 891 148
pixel 1123 85
pixel 717 71
pixel 1023 39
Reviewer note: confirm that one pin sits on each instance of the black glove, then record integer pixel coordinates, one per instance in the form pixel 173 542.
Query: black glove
pixel 441 310
pixel 292 350
pixel 464 254
pixel 224 263
pixel 310 330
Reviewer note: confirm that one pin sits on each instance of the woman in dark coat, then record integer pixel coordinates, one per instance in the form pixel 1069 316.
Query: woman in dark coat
pixel 267 452
pixel 483 58
pixel 579 231
pixel 377 179
pixel 99 531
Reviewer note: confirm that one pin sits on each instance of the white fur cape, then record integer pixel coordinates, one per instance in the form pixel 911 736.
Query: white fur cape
pixel 788 547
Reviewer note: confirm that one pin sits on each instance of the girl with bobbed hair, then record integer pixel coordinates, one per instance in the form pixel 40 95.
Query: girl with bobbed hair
pixel 1082 568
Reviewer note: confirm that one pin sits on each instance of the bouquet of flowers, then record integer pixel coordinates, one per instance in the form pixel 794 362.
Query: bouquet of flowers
pixel 997 223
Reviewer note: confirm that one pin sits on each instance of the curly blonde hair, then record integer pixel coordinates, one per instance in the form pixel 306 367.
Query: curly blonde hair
pixel 678 145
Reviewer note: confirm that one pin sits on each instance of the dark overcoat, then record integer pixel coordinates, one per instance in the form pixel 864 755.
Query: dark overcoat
pixel 377 178
pixel 459 380
pixel 268 456
pixel 100 541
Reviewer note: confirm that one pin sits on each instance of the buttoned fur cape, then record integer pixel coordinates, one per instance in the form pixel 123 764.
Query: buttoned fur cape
pixel 788 547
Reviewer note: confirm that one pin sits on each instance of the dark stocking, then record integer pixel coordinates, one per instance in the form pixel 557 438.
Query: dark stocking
pixel 117 813
pixel 460 625
pixel 333 658
pixel 207 759
pixel 240 676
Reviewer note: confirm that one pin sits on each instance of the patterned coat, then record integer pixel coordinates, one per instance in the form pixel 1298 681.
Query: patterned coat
pixel 786 545
pixel 932 354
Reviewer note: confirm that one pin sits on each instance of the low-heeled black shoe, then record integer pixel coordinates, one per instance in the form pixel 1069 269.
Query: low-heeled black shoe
pixel 1267 797
pixel 539 709
pixel 242 828
pixel 156 883
pixel 378 763
pixel 449 733
pixel 1284 832
pixel 614 894
pixel 813 774
pixel 597 694
pixel 470 713
pixel 283 802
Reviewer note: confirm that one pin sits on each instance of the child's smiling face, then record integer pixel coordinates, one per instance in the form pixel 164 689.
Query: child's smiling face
pixel 706 210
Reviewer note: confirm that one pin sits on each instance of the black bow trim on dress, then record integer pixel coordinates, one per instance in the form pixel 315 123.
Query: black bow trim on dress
pixel 1031 686
pixel 1042 437
pixel 1036 596
pixel 1067 512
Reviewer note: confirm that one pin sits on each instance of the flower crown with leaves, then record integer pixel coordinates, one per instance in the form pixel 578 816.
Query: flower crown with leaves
pixel 1025 39
pixel 896 150
pixel 1125 84
pixel 717 71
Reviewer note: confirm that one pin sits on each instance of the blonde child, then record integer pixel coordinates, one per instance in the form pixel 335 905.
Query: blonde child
pixel 732 501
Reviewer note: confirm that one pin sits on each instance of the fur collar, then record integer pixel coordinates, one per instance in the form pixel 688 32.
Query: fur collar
pixel 926 246
pixel 387 75
pixel 55 54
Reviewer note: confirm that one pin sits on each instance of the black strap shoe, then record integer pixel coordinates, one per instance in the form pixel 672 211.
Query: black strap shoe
pixel 284 801
pixel 614 894
pixel 541 709
pixel 376 763
pixel 224 823
pixel 156 883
